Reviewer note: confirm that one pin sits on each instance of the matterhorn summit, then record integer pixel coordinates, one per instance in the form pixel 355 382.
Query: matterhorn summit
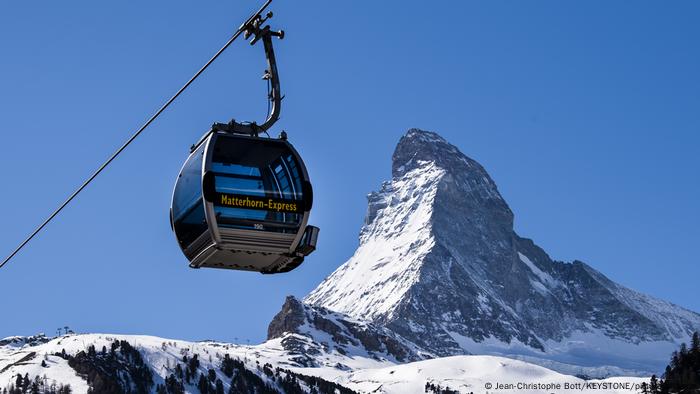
pixel 431 178
pixel 440 265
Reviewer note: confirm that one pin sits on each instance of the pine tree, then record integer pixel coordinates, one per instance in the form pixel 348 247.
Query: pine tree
pixel 227 366
pixel 36 385
pixel 654 385
pixel 193 365
pixel 695 350
pixel 683 372
pixel 674 359
pixel 695 342
pixel 645 388
pixel 203 384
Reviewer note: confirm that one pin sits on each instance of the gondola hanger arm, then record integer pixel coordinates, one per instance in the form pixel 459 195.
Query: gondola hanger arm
pixel 255 29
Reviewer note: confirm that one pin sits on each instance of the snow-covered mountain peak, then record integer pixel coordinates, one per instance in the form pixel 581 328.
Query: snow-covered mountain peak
pixel 435 190
pixel 464 175
pixel 419 146
pixel 440 265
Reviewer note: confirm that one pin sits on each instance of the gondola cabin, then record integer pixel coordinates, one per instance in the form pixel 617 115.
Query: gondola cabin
pixel 242 202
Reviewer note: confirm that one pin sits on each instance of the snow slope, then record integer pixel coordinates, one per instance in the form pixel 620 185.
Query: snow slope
pixel 160 355
pixel 474 374
pixel 385 267
pixel 362 374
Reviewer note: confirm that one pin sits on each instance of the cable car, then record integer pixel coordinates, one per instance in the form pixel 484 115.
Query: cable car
pixel 242 201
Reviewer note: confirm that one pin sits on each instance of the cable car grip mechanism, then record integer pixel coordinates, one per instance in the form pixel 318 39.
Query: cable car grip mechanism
pixel 254 28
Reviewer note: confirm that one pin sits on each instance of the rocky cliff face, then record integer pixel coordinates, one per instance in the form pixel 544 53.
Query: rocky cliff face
pixel 440 265
pixel 322 331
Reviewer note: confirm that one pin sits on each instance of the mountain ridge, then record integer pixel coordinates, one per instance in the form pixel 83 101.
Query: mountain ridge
pixel 84 363
pixel 440 264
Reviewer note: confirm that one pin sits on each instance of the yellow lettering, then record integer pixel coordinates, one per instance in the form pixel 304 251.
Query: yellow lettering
pixel 254 202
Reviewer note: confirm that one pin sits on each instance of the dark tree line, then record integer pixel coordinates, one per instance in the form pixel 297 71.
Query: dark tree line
pixel 290 383
pixel 187 373
pixel 243 380
pixel 121 370
pixel 682 374
pixel 437 389
pixel 25 385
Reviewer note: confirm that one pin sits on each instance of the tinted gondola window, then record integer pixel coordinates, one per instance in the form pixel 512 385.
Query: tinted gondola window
pixel 294 172
pixel 188 208
pixel 259 183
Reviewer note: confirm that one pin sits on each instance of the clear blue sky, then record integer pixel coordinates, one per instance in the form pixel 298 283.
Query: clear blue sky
pixel 586 114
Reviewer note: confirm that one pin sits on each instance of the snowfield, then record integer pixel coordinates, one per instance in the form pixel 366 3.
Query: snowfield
pixel 386 264
pixel 364 375
pixel 475 374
